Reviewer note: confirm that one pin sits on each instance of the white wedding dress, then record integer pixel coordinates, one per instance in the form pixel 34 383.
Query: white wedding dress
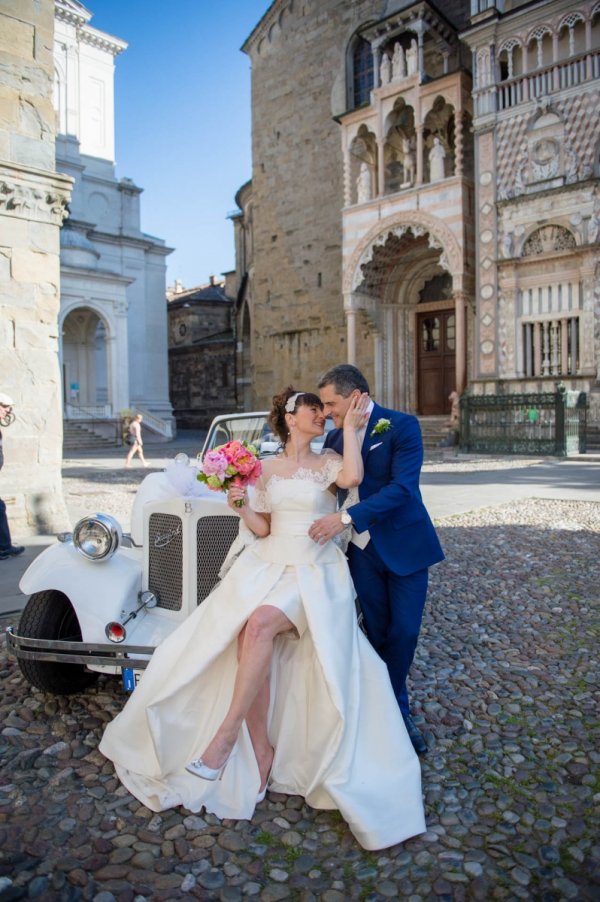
pixel 339 738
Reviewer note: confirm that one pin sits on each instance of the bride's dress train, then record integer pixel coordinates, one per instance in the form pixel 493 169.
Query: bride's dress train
pixel 339 738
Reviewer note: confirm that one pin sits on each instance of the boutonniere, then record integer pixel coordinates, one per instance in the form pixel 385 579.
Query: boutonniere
pixel 380 427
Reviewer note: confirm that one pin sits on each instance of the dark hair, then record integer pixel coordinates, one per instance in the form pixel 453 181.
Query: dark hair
pixel 277 416
pixel 345 378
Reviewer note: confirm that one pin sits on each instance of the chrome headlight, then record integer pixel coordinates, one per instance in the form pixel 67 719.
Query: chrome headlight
pixel 97 537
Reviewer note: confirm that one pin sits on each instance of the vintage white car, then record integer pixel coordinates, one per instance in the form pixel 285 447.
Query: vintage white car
pixel 101 600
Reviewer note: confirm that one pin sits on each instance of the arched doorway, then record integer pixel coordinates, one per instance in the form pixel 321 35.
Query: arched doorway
pixel 85 365
pixel 435 346
pixel 403 290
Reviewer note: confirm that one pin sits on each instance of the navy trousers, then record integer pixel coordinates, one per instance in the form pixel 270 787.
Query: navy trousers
pixel 392 608
pixel 5 542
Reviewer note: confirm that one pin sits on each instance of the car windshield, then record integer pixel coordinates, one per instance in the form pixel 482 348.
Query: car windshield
pixel 252 428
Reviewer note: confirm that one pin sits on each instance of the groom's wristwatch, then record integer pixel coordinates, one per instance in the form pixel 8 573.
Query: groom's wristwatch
pixel 346 518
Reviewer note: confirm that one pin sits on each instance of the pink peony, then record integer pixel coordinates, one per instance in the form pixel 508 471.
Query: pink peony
pixel 215 463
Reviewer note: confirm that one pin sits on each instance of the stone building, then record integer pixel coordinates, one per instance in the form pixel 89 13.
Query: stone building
pixel 32 206
pixel 424 197
pixel 201 353
pixel 241 289
pixel 113 275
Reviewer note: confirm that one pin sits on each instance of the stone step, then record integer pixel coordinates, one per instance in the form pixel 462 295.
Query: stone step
pixel 77 436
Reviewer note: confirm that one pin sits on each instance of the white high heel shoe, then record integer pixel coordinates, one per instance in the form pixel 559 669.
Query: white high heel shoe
pixel 199 769
pixel 263 793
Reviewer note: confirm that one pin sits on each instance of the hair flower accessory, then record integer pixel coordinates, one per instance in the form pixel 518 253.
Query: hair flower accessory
pixel 381 426
pixel 235 463
pixel 291 401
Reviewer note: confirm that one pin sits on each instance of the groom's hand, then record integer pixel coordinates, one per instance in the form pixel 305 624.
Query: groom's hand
pixel 326 528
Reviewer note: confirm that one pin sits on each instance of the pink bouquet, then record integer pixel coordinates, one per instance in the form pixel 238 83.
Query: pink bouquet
pixel 235 463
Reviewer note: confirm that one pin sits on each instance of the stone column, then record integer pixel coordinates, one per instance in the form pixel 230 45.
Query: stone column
pixel 460 300
pixel 419 152
pixel 32 204
pixel 350 312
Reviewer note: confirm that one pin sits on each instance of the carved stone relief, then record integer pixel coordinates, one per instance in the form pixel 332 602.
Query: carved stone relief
pixel 31 201
pixel 548 239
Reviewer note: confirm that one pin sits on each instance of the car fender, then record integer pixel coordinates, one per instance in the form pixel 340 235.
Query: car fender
pixel 98 590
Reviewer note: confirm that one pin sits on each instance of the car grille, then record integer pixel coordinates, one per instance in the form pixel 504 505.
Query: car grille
pixel 214 536
pixel 165 572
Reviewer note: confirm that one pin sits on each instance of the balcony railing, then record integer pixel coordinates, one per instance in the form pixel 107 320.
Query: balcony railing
pixel 88 412
pixel 551 347
pixel 558 76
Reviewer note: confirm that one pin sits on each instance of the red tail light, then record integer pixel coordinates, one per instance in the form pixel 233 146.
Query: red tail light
pixel 116 632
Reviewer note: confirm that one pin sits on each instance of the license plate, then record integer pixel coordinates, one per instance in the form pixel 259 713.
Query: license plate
pixel 131 678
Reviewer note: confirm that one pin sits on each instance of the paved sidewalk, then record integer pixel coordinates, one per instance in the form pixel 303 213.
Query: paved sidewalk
pixel 504 687
pixel 453 485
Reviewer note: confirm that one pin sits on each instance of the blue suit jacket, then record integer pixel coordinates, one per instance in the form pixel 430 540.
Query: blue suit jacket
pixel 390 505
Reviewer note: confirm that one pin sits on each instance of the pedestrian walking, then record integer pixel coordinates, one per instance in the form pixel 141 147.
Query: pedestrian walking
pixel 134 440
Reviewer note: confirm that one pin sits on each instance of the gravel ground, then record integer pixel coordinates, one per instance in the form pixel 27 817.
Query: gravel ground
pixel 505 686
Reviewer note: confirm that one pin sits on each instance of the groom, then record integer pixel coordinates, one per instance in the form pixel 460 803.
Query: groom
pixel 393 539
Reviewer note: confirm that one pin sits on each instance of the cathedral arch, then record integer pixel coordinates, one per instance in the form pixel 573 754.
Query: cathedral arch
pixel 510 59
pixel 439 235
pixel 399 147
pixel 571 35
pixel 363 165
pixel 86 366
pixel 548 239
pixel 438 139
pixel 541 36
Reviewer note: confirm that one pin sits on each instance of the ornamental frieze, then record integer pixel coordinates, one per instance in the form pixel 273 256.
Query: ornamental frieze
pixel 27 194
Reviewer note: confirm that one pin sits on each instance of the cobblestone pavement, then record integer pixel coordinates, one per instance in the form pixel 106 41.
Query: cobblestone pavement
pixel 505 686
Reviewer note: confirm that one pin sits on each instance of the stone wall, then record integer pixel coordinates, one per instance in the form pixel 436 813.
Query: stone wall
pixel 298 63
pixel 32 200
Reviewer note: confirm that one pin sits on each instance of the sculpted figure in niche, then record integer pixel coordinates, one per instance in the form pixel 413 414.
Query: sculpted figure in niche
pixel 507 245
pixel 398 63
pixel 408 162
pixel 363 184
pixel 437 155
pixel 411 58
pixel 385 70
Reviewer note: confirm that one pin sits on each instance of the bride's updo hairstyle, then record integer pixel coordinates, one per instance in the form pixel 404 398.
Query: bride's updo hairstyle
pixel 285 402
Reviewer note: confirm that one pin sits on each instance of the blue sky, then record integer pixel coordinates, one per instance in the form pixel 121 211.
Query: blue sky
pixel 183 123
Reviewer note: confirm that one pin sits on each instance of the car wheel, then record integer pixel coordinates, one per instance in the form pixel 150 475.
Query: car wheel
pixel 50 615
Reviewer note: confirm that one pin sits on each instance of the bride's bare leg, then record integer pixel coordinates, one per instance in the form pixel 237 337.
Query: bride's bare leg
pixel 256 721
pixel 253 668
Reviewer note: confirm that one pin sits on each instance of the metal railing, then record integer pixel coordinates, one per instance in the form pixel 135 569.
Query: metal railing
pixel 88 412
pixel 545 423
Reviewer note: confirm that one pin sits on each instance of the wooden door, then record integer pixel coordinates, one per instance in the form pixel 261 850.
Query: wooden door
pixel 436 356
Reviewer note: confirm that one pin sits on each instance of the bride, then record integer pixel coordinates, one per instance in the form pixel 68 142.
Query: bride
pixel 270 683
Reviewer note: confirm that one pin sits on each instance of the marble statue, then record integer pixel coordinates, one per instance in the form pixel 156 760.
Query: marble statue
pixel 408 162
pixel 363 184
pixel 411 58
pixel 398 63
pixel 385 70
pixel 437 154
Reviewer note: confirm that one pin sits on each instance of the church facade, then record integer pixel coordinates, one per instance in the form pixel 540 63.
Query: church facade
pixel 113 275
pixel 425 198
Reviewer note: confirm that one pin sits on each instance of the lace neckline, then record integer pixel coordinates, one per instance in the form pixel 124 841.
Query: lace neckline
pixel 323 475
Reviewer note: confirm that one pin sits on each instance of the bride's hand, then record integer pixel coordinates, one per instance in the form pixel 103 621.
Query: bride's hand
pixel 356 415
pixel 237 493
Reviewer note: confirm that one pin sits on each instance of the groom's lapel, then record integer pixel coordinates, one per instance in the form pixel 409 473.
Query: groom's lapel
pixel 368 439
